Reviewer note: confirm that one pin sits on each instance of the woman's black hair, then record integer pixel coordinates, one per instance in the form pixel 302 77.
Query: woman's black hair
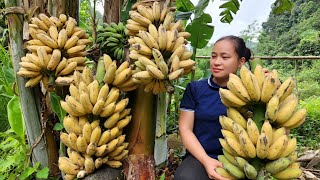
pixel 240 46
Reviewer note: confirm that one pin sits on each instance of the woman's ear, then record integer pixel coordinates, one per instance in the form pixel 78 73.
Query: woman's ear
pixel 242 61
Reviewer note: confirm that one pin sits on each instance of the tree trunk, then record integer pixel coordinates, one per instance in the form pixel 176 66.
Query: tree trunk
pixel 111 11
pixel 29 98
pixel 141 134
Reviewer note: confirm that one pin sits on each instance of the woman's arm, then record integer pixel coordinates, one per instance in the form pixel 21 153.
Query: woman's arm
pixel 190 141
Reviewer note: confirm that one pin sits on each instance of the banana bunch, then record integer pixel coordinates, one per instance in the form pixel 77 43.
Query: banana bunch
pixel 120 77
pixel 243 142
pixel 157 47
pixel 89 146
pixel 281 102
pixel 87 97
pixel 112 39
pixel 56 48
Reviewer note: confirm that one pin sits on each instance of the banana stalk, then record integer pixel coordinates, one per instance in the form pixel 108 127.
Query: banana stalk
pixel 141 134
pixel 100 71
pixel 259 111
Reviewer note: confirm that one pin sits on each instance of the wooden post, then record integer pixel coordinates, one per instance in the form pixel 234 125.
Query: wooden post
pixel 111 11
pixel 29 98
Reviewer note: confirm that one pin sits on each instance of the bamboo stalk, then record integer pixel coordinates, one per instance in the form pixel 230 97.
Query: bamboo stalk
pixel 29 98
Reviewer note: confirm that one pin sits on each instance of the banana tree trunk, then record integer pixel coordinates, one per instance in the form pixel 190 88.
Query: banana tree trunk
pixel 160 149
pixel 68 7
pixel 111 11
pixel 141 133
pixel 29 99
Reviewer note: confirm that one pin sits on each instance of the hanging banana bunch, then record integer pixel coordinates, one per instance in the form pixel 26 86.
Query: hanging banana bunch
pixel 157 47
pixel 94 124
pixel 56 48
pixel 243 141
pixel 112 39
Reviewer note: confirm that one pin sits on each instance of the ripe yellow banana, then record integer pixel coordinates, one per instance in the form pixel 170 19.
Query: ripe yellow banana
pixel 285 89
pixel 112 145
pixel 171 38
pixel 262 146
pixel 296 120
pixel 54 60
pixel 269 88
pixel 121 105
pixel 113 96
pixel 251 84
pixel 237 117
pixel 167 20
pixel 82 144
pixel 27 73
pixel 162 37
pixel 86 132
pixel 267 129
pixel 47 40
pixel 33 81
pixel 153 32
pixel 103 93
pixel 259 74
pixel 110 73
pixel 46 20
pixel 253 131
pixel 62 38
pixel 105 137
pixel 66 166
pixel 278 133
pixel 121 156
pixel 289 173
pixel 272 109
pixel 156 11
pixel 277 147
pixel 71 124
pixel 291 147
pixel 85 101
pixel 226 147
pixel 68 69
pixel 235 145
pixel 111 121
pixel 94 92
pixel 186 35
pixel 287 108
pixel 122 76
pixel 89 165
pixel 123 122
pixel 97 108
pixel 142 49
pixel 228 134
pixel 230 97
pixel 114 164
pixel 53 33
pixel 108 110
pixel 139 18
pixel 247 144
pixel 29 66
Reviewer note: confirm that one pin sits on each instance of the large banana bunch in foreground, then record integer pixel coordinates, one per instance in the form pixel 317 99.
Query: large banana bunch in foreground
pixel 90 146
pixel 250 88
pixel 56 48
pixel 244 142
pixel 96 118
pixel 113 39
pixel 120 77
pixel 158 47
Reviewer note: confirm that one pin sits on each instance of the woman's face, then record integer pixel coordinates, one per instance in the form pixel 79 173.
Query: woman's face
pixel 224 60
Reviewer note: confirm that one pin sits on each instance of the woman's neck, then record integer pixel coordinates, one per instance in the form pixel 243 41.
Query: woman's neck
pixel 220 82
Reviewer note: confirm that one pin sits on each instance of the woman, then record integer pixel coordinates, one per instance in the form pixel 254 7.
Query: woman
pixel 200 110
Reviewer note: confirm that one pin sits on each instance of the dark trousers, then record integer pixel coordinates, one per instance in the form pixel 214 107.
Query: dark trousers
pixel 191 169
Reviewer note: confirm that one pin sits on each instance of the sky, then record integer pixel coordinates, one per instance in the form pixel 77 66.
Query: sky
pixel 250 10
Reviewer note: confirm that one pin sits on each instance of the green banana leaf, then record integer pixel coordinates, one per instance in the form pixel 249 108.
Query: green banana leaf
pixel 184 5
pixel 15 117
pixel 56 107
pixel 201 6
pixel 230 7
pixel 201 31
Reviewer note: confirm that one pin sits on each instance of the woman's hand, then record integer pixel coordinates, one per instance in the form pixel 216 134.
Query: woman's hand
pixel 210 165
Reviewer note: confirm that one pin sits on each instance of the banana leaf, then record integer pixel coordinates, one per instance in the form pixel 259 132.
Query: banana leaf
pixel 201 31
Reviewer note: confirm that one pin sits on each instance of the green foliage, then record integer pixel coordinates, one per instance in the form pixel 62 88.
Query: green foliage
pixel 230 7
pixel 200 39
pixel 57 109
pixel 6 81
pixel 15 117
pixel 282 6
pixel 308 134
